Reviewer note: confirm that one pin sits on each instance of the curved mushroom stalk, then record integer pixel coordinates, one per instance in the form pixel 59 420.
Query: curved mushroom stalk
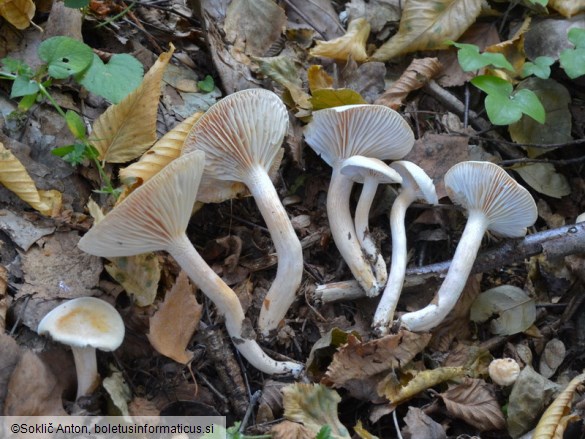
pixel 416 184
pixel 337 134
pixel 495 202
pixel 241 136
pixel 155 217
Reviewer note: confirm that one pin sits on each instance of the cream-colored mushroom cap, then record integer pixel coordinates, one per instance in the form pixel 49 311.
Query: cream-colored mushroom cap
pixel 367 130
pixel 482 186
pixel 504 371
pixel 358 168
pixel 413 176
pixel 84 322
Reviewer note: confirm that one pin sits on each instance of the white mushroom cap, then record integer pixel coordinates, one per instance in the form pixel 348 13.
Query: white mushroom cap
pixel 413 176
pixel 131 229
pixel 483 186
pixel 358 168
pixel 504 371
pixel 368 130
pixel 84 322
pixel 244 129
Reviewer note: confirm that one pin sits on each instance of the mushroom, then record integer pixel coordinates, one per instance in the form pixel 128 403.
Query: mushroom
pixel 495 202
pixel 370 172
pixel 504 371
pixel 416 184
pixel 337 134
pixel 85 324
pixel 154 217
pixel 241 136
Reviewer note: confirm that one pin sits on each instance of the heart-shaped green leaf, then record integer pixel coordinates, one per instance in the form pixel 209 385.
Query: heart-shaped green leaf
pixel 65 56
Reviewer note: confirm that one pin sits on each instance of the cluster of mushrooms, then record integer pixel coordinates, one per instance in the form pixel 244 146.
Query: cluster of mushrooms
pixel 239 142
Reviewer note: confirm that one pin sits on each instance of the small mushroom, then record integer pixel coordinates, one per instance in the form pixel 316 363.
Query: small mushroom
pixel 241 136
pixel 416 185
pixel 154 217
pixel 85 324
pixel 504 371
pixel 337 134
pixel 494 201
pixel 370 172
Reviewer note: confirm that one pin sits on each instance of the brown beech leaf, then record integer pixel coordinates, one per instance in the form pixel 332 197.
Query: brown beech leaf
pixel 18 13
pixel 291 430
pixel 421 426
pixel 14 176
pixel 419 72
pixel 427 24
pixel 352 45
pixel 163 152
pixel 360 360
pixel 474 402
pixel 175 321
pixel 126 130
pixel 550 425
pixel 568 8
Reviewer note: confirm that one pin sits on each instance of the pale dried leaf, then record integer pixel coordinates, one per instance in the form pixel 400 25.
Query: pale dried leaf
pixel 23 232
pixel 126 130
pixel 474 402
pixel 568 8
pixel 360 360
pixel 10 357
pixel 421 426
pixel 282 70
pixel 33 390
pixel 550 423
pixel 254 25
pixel 417 75
pixel 318 78
pixel 291 430
pixel 18 13
pixel 14 176
pixel 552 357
pixel 139 275
pixel 377 12
pixel 173 325
pixel 352 45
pixel 95 211
pixel 426 24
pixel 118 391
pixel 362 432
pixel 163 152
pixel 314 406
pixel 544 178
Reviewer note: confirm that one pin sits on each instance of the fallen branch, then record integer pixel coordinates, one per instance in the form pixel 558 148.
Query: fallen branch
pixel 555 243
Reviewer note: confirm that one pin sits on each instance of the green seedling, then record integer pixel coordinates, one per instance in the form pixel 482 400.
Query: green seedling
pixel 573 60
pixel 539 68
pixel 505 106
pixel 471 60
pixel 207 85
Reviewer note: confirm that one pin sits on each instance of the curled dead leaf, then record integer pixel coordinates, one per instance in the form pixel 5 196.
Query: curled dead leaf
pixel 352 45
pixel 18 13
pixel 568 8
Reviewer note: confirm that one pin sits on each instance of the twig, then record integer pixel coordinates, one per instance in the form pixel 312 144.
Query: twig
pixel 562 162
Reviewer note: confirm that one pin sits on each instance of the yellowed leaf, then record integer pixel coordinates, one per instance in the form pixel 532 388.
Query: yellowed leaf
pixel 291 430
pixel 14 176
pixel 139 275
pixel 397 392
pixel 95 211
pixel 550 422
pixel 513 50
pixel 362 432
pixel 329 97
pixel 318 78
pixel 568 8
pixel 126 130
pixel 175 321
pixel 352 45
pixel 426 24
pixel 18 13
pixel 417 75
pixel 163 152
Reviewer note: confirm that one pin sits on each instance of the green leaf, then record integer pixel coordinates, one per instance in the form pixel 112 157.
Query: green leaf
pixel 75 124
pixel 65 56
pixel 539 68
pixel 500 111
pixel 207 85
pixel 470 59
pixel 573 62
pixel 492 85
pixel 17 67
pixel 114 80
pixel 577 37
pixel 27 101
pixel 23 86
pixel 529 104
pixel 76 4
pixel 324 433
pixel 329 98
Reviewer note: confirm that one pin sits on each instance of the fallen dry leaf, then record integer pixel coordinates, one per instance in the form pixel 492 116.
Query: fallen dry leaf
pixel 427 24
pixel 552 357
pixel 291 430
pixel 421 426
pixel 474 402
pixel 14 176
pixel 362 432
pixel 139 275
pixel 329 97
pixel 18 13
pixel 418 73
pixel 3 299
pixel 33 390
pixel 318 78
pixel 568 8
pixel 352 45
pixel 10 357
pixel 126 130
pixel 175 321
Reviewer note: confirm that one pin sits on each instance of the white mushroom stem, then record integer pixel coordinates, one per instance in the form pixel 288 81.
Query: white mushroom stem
pixel 456 278
pixel 86 369
pixel 344 234
pixel 362 215
pixel 282 293
pixel 228 305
